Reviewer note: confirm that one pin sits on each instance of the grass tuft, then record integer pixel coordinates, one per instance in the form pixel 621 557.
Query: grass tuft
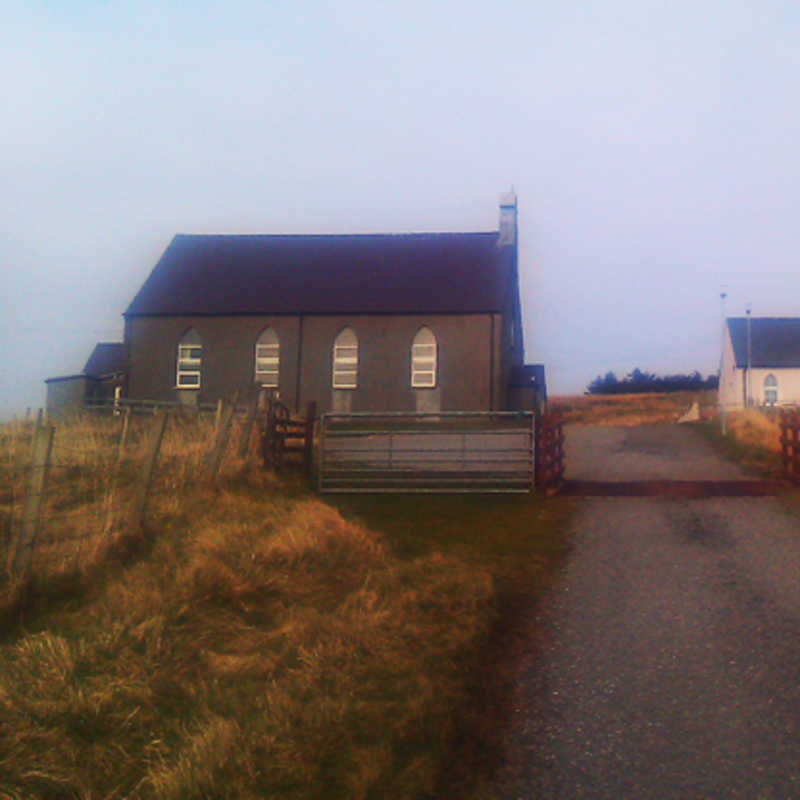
pixel 754 429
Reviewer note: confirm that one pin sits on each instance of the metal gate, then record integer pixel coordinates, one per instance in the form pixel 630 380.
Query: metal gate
pixel 442 452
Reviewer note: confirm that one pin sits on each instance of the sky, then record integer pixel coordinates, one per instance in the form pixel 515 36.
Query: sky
pixel 654 148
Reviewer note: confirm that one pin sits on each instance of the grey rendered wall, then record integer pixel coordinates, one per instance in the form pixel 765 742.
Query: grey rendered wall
pixel 66 396
pixel 464 351
pixel 228 355
pixel 469 351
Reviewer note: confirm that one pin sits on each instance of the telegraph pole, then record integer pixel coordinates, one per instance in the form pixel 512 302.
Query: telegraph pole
pixel 748 393
pixel 722 411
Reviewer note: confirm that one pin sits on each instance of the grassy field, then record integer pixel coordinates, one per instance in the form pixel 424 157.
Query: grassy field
pixel 252 640
pixel 631 409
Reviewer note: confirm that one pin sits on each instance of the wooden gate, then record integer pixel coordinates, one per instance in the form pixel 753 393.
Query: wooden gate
pixel 790 444
pixel 288 439
pixel 443 452
pixel 549 453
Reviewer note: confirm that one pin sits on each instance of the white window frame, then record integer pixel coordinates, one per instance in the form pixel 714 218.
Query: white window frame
pixel 268 360
pixel 345 360
pixel 424 360
pixel 189 366
pixel 771 390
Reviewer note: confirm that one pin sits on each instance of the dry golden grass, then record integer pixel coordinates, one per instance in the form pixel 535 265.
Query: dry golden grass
pixel 91 483
pixel 752 428
pixel 246 659
pixel 631 409
pixel 752 439
pixel 255 644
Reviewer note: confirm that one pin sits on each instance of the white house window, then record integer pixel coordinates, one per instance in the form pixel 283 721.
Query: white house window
pixel 190 359
pixel 345 360
pixel 423 360
pixel 268 359
pixel 770 390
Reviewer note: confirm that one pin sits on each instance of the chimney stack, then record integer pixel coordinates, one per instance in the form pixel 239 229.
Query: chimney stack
pixel 507 233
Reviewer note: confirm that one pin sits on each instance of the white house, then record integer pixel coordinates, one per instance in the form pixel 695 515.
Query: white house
pixel 760 362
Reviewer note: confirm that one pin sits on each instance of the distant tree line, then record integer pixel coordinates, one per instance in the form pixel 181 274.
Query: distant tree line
pixel 638 382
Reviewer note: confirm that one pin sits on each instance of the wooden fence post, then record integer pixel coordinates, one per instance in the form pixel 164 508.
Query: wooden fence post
pixel 32 510
pixel 796 447
pixel 535 449
pixel 269 434
pixel 112 481
pixel 123 436
pixel 218 413
pixel 308 452
pixel 321 453
pixel 5 540
pixel 223 432
pixel 151 457
pixel 37 426
pixel 247 429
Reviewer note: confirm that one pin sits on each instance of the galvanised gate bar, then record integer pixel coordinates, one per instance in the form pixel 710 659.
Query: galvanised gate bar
pixel 416 452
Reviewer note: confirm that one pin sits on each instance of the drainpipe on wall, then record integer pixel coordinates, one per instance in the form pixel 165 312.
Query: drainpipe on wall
pixel 506 238
pixel 491 363
pixel 299 365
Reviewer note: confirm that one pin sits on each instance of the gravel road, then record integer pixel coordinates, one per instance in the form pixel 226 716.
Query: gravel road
pixel 666 663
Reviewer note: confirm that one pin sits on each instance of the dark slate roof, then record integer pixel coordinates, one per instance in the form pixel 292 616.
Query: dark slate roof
pixel 61 378
pixel 774 341
pixel 386 273
pixel 106 359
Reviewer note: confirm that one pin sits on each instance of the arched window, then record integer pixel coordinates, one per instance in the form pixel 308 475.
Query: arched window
pixel 423 360
pixel 345 360
pixel 190 359
pixel 268 355
pixel 770 390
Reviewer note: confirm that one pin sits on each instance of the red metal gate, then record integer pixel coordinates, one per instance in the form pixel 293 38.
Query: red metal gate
pixel 549 453
pixel 790 444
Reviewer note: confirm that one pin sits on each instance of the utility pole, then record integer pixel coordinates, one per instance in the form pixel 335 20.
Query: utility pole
pixel 722 411
pixel 748 383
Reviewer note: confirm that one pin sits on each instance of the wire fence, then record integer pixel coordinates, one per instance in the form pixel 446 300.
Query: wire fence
pixel 69 490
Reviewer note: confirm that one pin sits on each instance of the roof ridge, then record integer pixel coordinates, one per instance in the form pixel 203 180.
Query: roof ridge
pixel 330 235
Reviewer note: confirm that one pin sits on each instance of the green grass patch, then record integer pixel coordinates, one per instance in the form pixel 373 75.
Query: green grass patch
pixel 632 409
pixel 504 533
pixel 519 540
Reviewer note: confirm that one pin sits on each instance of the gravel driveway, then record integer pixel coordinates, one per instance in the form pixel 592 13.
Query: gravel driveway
pixel 667 660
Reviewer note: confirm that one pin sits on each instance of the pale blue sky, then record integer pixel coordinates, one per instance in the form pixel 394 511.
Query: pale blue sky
pixel 654 148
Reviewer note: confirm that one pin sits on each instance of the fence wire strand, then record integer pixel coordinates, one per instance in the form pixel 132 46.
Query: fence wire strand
pixel 92 487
